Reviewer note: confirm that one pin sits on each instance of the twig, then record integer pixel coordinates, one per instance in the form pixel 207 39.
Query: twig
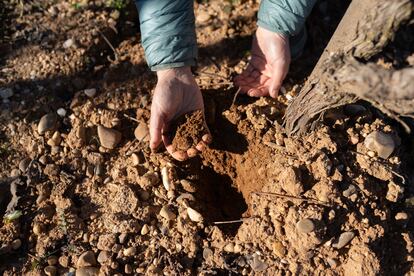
pixel 131 118
pixel 110 44
pixel 235 96
pixel 310 200
pixel 232 221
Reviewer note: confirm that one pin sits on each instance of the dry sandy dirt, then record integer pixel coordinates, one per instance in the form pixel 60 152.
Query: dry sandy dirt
pixel 82 194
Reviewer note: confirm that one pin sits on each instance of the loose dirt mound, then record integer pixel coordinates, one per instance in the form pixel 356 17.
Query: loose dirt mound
pixel 190 129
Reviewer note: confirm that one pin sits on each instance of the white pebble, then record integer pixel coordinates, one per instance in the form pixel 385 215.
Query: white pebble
pixel 194 215
pixel 61 112
pixel 90 92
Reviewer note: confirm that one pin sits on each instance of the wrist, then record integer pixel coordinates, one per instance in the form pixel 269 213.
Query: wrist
pixel 178 71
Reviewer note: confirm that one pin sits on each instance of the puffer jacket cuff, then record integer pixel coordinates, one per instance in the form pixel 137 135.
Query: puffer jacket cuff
pixel 168 33
pixel 284 16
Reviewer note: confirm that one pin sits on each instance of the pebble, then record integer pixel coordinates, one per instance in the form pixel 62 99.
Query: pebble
pixel 109 138
pixel 257 265
pixel 103 256
pixel 128 269
pixel 381 143
pixel 142 132
pixel 87 271
pixel 52 260
pixel 130 251
pixel 229 247
pixel 184 197
pixel 145 230
pixel 207 254
pixel 203 16
pixel 50 270
pixel 61 112
pixel 194 215
pixel 38 229
pixel 344 239
pixel 68 43
pixel 188 186
pixel 86 259
pixel 332 262
pixel 348 192
pixel 24 164
pixel 91 92
pixel 395 192
pixel 305 226
pixel 55 140
pixel 47 123
pixel 16 244
pixel 122 238
pixel 401 216
pixel 278 249
pixel 136 159
pixel 64 261
pixel 6 93
pixel 166 213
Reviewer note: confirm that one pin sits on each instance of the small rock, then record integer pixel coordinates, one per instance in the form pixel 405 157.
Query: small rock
pixel 188 186
pixel 38 229
pixel 290 180
pixel 194 215
pixel 130 251
pixel 229 247
pixel 278 249
pixel 395 192
pixel 52 260
pixel 24 164
pixel 381 143
pixel 257 265
pixel 207 254
pixel 68 43
pixel 47 123
pixel 55 140
pixel 91 92
pixel 128 269
pixel 332 262
pixel 16 244
pixel 87 271
pixel 305 226
pixel 6 93
pixel 64 261
pixel 348 192
pixel 145 230
pixel 50 270
pixel 109 138
pixel 122 238
pixel 137 159
pixel 166 213
pixel 103 257
pixel 401 216
pixel 86 259
pixel 142 132
pixel 344 239
pixel 203 16
pixel 61 112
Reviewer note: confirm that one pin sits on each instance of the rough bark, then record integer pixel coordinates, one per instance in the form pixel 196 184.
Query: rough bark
pixel 338 78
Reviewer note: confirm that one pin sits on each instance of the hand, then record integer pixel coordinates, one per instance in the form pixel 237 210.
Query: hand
pixel 268 66
pixel 176 94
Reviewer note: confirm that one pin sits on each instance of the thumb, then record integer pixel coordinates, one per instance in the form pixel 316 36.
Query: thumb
pixel 276 80
pixel 156 125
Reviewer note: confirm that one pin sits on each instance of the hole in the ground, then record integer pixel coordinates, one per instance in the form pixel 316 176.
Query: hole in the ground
pixel 216 197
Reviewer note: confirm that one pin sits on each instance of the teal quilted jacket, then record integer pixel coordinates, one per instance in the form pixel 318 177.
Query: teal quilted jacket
pixel 168 30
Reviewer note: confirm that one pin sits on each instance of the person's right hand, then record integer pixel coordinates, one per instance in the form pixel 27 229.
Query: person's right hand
pixel 176 94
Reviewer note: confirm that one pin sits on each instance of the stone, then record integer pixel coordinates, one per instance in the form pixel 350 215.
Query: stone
pixel 6 93
pixel 145 230
pixel 91 92
pixel 401 216
pixel 16 244
pixel 188 186
pixel 122 238
pixel 142 132
pixel 38 229
pixel 257 265
pixel 48 122
pixel 55 140
pixel 130 251
pixel 344 239
pixel 166 213
pixel 305 226
pixel 290 180
pixel 194 215
pixel 61 112
pixel 395 192
pixel 86 259
pixel 128 269
pixel 348 192
pixel 381 143
pixel 68 43
pixel 87 271
pixel 207 254
pixel 278 249
pixel 24 164
pixel 137 159
pixel 109 138
pixel 64 261
pixel 229 247
pixel 103 257
pixel 52 260
pixel 50 270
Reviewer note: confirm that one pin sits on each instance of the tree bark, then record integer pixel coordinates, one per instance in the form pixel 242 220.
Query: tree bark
pixel 339 78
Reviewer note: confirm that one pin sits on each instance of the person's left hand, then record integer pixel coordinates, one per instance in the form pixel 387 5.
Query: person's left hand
pixel 268 66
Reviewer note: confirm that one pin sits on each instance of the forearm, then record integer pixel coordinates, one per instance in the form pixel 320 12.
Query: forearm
pixel 168 33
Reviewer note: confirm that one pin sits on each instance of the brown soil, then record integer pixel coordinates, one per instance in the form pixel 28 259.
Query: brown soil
pixel 189 130
pixel 254 186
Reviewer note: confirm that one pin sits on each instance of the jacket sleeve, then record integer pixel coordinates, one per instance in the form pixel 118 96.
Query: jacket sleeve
pixel 168 33
pixel 284 16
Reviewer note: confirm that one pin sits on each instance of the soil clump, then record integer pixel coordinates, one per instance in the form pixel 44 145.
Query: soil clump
pixel 189 130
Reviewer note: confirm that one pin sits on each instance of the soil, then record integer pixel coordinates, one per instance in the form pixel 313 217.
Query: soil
pixel 261 203
pixel 190 129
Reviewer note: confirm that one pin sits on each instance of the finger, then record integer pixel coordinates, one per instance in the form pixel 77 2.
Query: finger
pixel 277 78
pixel 256 92
pixel 156 125
pixel 201 146
pixel 179 155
